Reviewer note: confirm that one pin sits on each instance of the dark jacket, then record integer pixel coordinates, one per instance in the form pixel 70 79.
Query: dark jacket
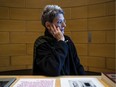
pixel 54 58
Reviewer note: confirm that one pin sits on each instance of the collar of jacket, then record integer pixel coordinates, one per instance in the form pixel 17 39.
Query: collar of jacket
pixel 47 33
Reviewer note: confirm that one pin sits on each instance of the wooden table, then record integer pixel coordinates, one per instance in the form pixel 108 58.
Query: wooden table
pixel 57 78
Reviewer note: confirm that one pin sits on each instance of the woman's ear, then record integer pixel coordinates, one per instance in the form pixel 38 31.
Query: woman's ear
pixel 48 24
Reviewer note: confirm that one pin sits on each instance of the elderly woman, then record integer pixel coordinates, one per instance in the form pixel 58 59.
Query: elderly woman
pixel 55 53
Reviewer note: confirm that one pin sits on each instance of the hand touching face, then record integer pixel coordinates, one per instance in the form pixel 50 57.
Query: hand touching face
pixel 60 22
pixel 56 28
pixel 56 32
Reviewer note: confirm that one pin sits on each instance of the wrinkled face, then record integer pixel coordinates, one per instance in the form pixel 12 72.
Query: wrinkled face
pixel 60 22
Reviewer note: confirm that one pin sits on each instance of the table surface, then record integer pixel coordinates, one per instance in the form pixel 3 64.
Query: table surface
pixel 57 78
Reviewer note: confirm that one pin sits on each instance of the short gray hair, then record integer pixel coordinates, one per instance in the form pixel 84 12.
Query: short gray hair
pixel 50 12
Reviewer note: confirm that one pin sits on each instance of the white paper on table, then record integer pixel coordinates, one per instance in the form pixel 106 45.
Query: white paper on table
pixel 32 82
pixel 80 82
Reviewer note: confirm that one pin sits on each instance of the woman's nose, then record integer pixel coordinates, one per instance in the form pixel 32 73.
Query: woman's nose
pixel 64 24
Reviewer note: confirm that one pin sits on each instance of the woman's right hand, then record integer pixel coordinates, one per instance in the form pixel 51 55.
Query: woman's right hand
pixel 56 32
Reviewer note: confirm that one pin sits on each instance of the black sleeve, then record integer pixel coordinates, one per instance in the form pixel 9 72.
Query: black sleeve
pixel 51 59
pixel 78 65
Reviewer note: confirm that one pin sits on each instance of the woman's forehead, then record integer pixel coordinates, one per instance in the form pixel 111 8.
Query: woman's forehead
pixel 59 17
